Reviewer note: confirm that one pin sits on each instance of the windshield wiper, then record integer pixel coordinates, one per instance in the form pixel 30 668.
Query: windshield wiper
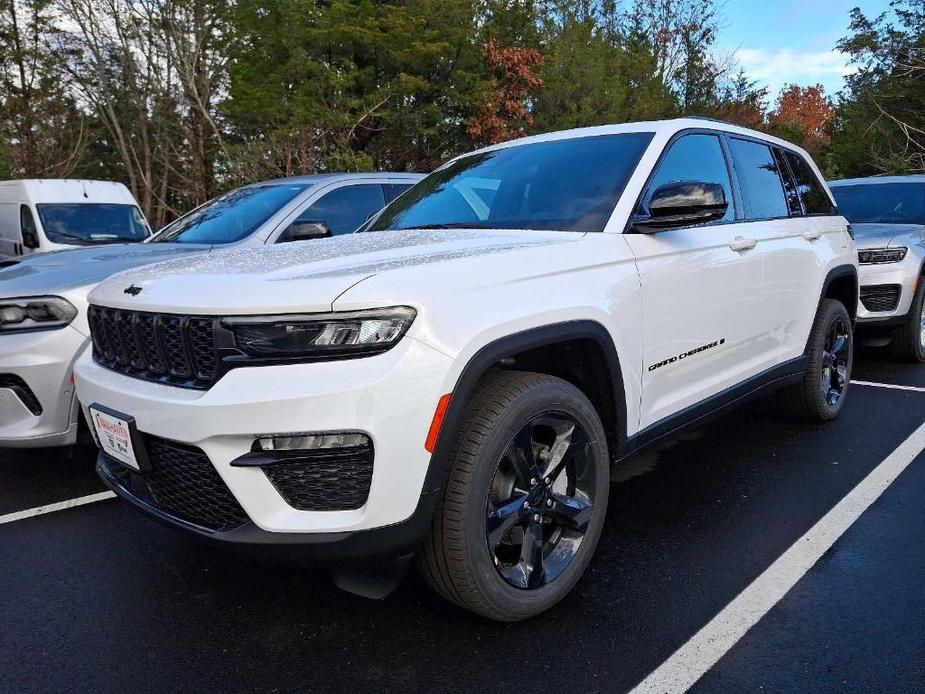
pixel 451 225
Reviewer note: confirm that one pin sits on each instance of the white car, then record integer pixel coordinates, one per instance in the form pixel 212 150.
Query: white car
pixel 457 382
pixel 43 299
pixel 43 215
pixel 888 216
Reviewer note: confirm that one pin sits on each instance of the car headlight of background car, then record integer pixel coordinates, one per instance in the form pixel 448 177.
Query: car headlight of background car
pixel 35 313
pixel 320 336
pixel 881 256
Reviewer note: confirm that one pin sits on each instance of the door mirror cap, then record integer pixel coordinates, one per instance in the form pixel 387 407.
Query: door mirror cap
pixel 682 204
pixel 303 231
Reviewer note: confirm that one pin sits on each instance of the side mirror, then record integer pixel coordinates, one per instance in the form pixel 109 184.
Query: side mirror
pixel 303 231
pixel 682 204
pixel 30 235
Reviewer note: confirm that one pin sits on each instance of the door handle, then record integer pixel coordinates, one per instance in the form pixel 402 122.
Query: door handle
pixel 812 235
pixel 740 243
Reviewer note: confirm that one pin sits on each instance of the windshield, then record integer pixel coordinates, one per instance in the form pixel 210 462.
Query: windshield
pixel 884 203
pixel 86 223
pixel 232 216
pixel 562 185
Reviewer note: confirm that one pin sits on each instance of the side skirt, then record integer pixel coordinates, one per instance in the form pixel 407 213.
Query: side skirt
pixel 776 377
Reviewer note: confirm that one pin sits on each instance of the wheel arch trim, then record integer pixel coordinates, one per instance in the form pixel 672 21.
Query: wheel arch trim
pixel 492 353
pixel 836 273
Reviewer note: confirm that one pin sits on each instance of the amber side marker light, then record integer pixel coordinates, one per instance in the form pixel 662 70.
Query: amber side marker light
pixel 436 423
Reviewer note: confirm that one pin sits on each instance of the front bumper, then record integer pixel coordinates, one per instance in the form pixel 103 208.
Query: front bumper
pixel 390 397
pixel 44 361
pixel 373 546
pixel 904 274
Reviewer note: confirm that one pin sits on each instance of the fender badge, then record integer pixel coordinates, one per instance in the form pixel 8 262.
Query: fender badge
pixel 133 290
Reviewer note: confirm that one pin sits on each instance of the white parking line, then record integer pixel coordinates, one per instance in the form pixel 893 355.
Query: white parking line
pixel 891 386
pixel 51 508
pixel 692 660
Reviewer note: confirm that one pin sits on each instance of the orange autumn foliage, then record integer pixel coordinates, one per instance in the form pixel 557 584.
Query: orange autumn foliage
pixel 805 112
pixel 504 113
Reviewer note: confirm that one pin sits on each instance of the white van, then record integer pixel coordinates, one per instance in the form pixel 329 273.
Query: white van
pixel 41 215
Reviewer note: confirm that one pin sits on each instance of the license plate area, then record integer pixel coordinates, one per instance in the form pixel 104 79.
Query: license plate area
pixel 118 437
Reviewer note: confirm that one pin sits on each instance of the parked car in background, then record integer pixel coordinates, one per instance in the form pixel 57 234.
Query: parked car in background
pixel 42 215
pixel 458 381
pixel 888 216
pixel 43 299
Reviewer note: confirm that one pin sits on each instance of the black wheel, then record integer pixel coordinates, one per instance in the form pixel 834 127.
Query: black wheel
pixel 525 498
pixel 909 340
pixel 821 394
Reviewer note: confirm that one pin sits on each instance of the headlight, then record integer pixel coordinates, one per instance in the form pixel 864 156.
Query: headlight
pixel 320 336
pixel 880 256
pixel 35 313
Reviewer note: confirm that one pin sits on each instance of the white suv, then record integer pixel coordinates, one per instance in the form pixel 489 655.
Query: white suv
pixel 458 382
pixel 888 216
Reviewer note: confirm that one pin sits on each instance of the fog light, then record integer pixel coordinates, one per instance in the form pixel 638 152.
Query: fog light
pixel 307 442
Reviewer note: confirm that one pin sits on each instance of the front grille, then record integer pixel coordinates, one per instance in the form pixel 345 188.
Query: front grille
pixel 178 350
pixel 880 297
pixel 22 391
pixel 183 483
pixel 328 479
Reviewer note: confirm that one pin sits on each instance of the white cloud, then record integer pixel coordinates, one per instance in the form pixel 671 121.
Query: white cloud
pixel 776 68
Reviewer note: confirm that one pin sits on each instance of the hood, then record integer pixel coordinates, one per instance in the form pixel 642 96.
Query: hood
pixel 882 235
pixel 305 276
pixel 46 273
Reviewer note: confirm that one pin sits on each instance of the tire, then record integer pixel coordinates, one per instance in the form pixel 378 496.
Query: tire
pixel 807 398
pixel 909 340
pixel 484 571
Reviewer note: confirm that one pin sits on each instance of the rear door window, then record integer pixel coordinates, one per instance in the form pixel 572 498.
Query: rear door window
pixel 812 192
pixel 759 179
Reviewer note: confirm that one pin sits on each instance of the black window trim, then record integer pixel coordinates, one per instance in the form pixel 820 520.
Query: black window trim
pixel 737 213
pixel 782 162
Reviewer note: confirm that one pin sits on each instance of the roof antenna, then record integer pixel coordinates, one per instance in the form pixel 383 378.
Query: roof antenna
pixel 84 184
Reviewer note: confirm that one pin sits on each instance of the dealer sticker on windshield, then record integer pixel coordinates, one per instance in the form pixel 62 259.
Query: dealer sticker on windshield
pixel 115 436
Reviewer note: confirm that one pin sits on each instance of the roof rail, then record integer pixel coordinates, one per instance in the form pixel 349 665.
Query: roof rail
pixel 710 118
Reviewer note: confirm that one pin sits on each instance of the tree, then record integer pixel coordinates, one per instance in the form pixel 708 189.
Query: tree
pixel 880 126
pixel 742 102
pixel 41 127
pixel 803 115
pixel 504 114
pixel 150 71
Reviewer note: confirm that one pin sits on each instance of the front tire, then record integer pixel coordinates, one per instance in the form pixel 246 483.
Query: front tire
pixel 909 340
pixel 524 502
pixel 820 395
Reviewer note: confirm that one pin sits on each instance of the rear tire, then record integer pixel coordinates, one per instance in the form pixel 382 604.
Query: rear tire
pixel 523 505
pixel 820 395
pixel 909 340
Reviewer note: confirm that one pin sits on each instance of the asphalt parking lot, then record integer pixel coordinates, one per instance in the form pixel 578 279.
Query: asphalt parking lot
pixel 99 597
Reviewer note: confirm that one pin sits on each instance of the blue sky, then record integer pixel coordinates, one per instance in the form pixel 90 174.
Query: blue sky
pixel 784 41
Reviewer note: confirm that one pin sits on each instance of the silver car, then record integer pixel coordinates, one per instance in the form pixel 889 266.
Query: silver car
pixel 43 299
pixel 888 217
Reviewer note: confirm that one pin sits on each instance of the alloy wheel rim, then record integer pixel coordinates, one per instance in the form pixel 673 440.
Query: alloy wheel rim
pixel 540 501
pixel 835 354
